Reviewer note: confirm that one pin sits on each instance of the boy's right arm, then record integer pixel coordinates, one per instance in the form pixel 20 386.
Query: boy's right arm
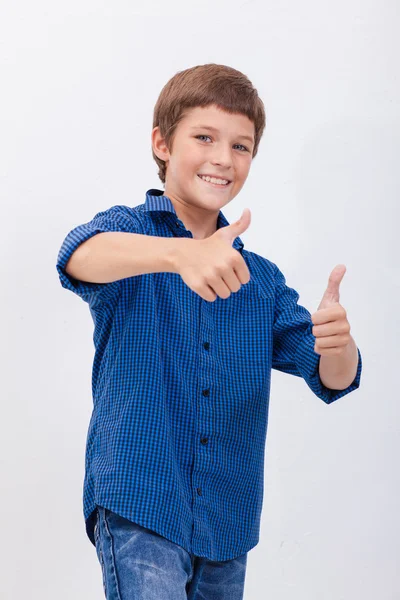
pixel 210 266
pixel 110 256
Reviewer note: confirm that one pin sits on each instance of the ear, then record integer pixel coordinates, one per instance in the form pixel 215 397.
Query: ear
pixel 160 148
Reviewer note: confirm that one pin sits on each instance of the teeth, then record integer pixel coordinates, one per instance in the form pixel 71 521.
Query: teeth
pixel 214 180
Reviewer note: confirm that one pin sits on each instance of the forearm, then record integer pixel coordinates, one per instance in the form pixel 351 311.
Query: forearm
pixel 110 256
pixel 338 372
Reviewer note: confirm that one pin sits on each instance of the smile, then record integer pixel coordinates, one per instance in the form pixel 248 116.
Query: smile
pixel 215 185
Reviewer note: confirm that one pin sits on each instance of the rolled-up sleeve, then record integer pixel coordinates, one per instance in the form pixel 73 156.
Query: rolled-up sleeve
pixel 112 219
pixel 293 343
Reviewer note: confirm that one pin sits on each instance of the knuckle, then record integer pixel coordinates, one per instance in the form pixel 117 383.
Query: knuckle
pixel 224 268
pixel 213 275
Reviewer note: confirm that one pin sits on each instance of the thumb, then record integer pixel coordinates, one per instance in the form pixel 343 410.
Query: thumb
pixel 236 228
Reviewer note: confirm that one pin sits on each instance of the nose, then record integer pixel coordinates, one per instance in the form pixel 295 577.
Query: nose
pixel 222 157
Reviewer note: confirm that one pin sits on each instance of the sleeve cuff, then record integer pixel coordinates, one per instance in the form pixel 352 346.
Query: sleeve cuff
pixel 307 362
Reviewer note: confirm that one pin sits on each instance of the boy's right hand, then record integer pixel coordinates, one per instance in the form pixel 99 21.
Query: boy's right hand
pixel 211 267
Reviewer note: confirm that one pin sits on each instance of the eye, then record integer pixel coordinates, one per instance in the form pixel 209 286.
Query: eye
pixel 201 135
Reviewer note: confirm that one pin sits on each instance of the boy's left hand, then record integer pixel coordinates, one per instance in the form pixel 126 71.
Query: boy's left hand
pixel 331 327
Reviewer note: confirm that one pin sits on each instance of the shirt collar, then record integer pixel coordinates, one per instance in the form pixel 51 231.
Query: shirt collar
pixel 156 201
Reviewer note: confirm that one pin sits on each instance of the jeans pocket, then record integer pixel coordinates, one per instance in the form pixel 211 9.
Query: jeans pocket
pixel 99 549
pixel 96 527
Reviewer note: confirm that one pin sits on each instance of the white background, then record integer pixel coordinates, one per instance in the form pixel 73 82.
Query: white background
pixel 79 81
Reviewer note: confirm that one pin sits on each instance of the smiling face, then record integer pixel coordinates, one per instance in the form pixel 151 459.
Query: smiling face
pixel 224 151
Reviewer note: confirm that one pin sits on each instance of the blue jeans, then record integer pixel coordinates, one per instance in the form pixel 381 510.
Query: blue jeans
pixel 139 564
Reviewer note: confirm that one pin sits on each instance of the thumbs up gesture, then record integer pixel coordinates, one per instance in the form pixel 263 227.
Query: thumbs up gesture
pixel 211 267
pixel 331 327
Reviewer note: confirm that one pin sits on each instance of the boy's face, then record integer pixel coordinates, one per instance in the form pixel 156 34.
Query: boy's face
pixel 225 153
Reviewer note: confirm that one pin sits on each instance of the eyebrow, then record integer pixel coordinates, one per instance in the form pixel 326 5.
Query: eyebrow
pixel 245 137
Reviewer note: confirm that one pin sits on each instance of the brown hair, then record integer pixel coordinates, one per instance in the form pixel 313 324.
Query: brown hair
pixel 204 85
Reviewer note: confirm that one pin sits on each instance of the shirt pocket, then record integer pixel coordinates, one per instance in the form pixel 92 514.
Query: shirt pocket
pixel 245 345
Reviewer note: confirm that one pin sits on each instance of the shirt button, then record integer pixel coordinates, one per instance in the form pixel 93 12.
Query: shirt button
pixel 199 491
pixel 204 441
pixel 206 345
pixel 206 392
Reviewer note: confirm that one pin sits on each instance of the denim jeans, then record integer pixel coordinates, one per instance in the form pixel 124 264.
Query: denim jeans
pixel 139 564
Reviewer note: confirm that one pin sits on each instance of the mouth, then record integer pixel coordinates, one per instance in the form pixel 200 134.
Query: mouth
pixel 216 185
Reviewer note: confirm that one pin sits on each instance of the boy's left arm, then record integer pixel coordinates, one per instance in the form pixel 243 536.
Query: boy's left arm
pixel 339 354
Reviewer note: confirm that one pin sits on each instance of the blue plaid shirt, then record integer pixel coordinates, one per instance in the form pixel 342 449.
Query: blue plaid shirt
pixel 181 389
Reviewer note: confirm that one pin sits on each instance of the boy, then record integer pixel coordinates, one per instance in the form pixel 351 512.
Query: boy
pixel 188 325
